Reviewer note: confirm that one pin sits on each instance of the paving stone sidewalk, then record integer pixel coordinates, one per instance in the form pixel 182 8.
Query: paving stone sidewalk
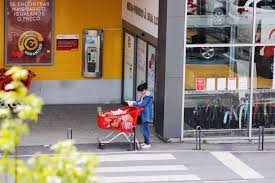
pixel 82 119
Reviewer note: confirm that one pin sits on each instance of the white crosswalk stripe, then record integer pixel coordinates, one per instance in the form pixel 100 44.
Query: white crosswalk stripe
pixel 159 178
pixel 139 170
pixel 236 165
pixel 136 157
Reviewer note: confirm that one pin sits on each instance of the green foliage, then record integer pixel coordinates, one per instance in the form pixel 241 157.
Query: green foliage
pixel 67 165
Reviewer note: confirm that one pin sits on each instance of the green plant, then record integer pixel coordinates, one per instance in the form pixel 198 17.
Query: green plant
pixel 66 165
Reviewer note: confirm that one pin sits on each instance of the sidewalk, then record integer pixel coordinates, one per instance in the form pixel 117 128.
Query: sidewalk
pixel 156 147
pixel 56 119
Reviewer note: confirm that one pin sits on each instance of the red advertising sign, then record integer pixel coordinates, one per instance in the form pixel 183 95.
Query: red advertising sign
pixel 28 32
pixel 67 42
pixel 200 84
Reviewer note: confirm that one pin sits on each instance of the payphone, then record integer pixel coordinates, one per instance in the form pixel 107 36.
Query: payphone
pixel 92 53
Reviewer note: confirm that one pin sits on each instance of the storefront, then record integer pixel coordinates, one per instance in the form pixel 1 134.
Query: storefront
pixel 209 63
pixel 140 32
pixel 59 66
pixel 227 80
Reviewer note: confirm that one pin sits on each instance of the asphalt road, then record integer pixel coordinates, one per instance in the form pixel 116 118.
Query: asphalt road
pixel 200 167
pixel 239 163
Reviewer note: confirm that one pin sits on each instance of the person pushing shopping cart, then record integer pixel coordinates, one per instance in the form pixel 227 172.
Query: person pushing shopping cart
pixel 145 102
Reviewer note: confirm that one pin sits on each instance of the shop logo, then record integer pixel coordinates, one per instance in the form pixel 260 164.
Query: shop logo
pixel 31 43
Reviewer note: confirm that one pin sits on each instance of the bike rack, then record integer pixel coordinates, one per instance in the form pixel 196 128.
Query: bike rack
pixel 69 133
pixel 198 138
pixel 261 139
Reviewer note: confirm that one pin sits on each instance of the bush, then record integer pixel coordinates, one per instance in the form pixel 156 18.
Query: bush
pixel 66 165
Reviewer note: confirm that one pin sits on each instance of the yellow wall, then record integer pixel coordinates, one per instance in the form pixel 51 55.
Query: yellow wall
pixel 71 17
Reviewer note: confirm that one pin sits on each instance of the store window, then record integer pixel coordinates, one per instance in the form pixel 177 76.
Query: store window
pixel 225 57
pixel 128 75
pixel 263 109
pixel 219 21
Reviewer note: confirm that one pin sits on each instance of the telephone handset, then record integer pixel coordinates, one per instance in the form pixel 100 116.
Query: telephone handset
pixel 91 58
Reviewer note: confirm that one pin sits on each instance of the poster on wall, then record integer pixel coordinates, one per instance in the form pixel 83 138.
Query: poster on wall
pixel 200 84
pixel 141 63
pixel 28 32
pixel 232 83
pixel 211 84
pixel 221 84
pixel 129 50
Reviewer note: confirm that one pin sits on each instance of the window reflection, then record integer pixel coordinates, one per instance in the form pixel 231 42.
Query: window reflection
pixel 233 19
pixel 211 100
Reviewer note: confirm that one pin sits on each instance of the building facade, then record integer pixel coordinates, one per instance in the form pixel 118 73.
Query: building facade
pixel 216 65
pixel 209 63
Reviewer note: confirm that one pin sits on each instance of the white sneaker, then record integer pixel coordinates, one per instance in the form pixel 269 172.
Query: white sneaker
pixel 142 144
pixel 146 146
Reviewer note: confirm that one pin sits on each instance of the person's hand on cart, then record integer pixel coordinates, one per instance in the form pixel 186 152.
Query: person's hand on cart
pixel 130 103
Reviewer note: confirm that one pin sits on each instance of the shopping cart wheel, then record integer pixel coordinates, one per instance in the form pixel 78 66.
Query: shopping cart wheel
pixel 100 146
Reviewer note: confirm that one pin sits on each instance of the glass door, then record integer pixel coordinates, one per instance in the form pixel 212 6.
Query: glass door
pixel 151 69
pixel 128 74
pixel 141 63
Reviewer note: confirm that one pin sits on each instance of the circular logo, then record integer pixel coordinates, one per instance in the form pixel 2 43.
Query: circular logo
pixel 31 43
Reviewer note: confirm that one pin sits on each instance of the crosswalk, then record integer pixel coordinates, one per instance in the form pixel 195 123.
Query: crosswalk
pixel 147 167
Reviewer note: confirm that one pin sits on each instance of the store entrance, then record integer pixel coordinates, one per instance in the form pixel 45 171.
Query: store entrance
pixel 139 66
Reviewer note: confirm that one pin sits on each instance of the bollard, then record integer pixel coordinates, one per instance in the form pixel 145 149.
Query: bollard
pixel 198 138
pixel 261 139
pixel 135 144
pixel 69 133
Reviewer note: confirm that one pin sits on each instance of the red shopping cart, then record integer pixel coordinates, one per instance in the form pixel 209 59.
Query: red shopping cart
pixel 123 121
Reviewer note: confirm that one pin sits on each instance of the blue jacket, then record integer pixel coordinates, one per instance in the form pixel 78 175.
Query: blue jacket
pixel 147 103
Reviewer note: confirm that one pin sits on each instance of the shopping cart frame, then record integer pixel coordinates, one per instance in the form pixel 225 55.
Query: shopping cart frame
pixel 130 136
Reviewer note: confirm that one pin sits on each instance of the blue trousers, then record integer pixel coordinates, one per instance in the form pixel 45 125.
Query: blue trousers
pixel 144 128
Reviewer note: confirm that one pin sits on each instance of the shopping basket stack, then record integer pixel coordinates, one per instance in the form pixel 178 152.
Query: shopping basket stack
pixel 5 80
pixel 123 121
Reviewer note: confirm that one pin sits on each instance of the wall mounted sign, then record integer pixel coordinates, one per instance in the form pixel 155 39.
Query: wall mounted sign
pixel 67 42
pixel 232 83
pixel 221 83
pixel 211 84
pixel 28 32
pixel 200 84
pixel 142 14
pixel 243 83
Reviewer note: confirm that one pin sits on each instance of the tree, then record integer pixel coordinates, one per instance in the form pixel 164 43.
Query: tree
pixel 67 165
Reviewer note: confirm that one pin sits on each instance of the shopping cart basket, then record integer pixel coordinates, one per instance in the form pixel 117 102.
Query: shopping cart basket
pixel 123 121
